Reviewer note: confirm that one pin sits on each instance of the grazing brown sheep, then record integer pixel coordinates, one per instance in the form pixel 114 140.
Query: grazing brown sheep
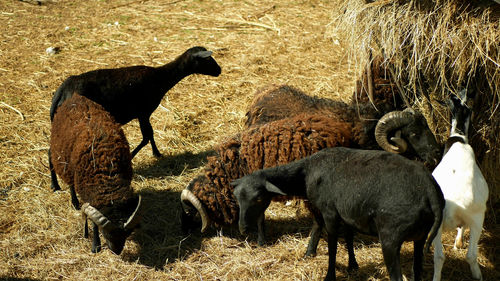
pixel 90 153
pixel 283 125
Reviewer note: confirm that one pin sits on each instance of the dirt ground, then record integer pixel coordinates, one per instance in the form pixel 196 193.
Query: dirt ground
pixel 256 43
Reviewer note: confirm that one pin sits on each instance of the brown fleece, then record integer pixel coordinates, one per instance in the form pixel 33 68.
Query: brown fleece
pixel 90 152
pixel 272 144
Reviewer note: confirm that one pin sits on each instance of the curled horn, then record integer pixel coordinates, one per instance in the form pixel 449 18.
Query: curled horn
pixel 188 196
pixel 389 122
pixel 96 216
pixel 134 219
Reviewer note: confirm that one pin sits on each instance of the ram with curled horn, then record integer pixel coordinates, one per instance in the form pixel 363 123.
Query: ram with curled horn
pixel 283 125
pixel 90 153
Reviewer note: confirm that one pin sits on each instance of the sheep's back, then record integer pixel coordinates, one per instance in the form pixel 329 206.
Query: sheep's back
pixel 89 150
pixel 269 145
pixel 290 139
pixel 276 102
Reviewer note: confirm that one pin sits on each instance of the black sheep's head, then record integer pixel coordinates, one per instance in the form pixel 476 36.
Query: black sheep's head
pixel 199 60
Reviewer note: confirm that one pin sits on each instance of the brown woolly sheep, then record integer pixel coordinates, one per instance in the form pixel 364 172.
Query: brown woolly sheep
pixel 300 126
pixel 90 153
pixel 271 144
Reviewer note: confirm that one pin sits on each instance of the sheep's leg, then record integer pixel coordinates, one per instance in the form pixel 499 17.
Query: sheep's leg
pixel 96 241
pixel 475 232
pixel 418 258
pixel 261 236
pixel 74 199
pixel 331 228
pixel 349 239
pixel 147 136
pixel 85 227
pixel 53 178
pixel 438 256
pixel 459 239
pixel 315 236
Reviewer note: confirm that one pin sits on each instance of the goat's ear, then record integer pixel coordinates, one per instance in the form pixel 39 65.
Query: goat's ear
pixel 203 54
pixel 235 182
pixel 273 188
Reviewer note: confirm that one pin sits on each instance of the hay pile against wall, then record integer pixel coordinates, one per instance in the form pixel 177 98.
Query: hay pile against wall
pixel 433 48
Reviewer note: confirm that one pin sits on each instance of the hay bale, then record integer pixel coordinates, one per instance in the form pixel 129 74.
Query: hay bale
pixel 432 48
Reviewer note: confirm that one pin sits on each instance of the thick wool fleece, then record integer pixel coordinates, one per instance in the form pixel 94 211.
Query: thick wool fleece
pixel 90 152
pixel 269 145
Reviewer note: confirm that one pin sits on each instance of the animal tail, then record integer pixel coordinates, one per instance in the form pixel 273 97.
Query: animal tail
pixel 437 202
pixel 55 104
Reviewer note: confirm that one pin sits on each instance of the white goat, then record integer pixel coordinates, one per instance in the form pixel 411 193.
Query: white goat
pixel 463 186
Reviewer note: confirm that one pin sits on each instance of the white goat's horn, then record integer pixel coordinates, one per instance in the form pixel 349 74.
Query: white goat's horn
pixel 187 195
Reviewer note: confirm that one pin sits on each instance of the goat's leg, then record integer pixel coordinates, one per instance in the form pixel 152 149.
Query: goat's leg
pixel 475 232
pixel 53 178
pixel 459 244
pixel 261 236
pixel 96 241
pixel 418 258
pixel 314 238
pixel 147 136
pixel 438 255
pixel 349 239
pixel 391 248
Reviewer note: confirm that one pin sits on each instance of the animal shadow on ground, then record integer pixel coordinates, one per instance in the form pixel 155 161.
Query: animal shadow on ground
pixel 173 165
pixel 159 237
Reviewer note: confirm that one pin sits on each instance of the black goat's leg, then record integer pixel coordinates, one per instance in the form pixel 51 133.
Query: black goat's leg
pixel 53 177
pixel 261 235
pixel 147 136
pixel 349 239
pixel 96 241
pixel 74 199
pixel 314 237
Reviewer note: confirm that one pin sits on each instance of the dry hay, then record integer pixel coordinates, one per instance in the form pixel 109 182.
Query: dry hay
pixel 432 48
pixel 256 44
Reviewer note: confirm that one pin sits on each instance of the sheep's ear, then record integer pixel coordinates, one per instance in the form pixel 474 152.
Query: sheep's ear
pixel 235 182
pixel 203 54
pixel 273 188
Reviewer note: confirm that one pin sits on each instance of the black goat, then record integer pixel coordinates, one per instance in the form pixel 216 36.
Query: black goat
pixel 370 191
pixel 136 91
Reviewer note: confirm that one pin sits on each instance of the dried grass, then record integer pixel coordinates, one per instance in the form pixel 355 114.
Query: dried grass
pixel 433 48
pixel 256 44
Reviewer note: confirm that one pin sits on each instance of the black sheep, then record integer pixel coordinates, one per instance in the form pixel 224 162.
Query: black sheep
pixel 136 91
pixel 373 192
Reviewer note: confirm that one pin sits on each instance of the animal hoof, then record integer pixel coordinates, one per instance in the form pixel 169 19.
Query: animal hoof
pixel 352 267
pixel 96 249
pixel 310 255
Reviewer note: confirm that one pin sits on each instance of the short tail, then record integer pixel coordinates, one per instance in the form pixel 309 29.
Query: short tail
pixel 437 205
